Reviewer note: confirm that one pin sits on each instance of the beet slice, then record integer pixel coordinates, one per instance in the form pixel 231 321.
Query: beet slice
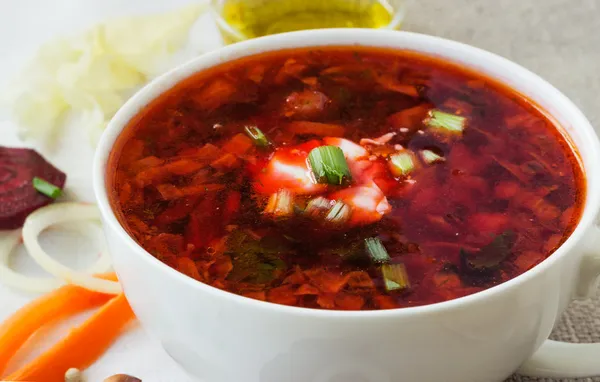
pixel 18 198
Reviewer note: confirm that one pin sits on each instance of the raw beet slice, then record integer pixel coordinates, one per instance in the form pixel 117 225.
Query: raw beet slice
pixel 18 198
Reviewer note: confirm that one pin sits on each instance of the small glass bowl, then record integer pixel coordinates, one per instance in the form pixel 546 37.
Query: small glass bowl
pixel 231 34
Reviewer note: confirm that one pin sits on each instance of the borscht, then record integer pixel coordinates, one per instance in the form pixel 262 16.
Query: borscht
pixel 346 178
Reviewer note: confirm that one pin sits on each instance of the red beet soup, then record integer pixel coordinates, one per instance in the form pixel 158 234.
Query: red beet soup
pixel 346 178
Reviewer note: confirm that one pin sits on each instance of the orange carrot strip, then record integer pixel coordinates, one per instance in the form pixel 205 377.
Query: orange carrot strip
pixel 409 118
pixel 134 150
pixel 187 266
pixel 392 83
pixel 240 144
pixel 316 128
pixel 81 347
pixel 171 192
pixel 217 93
pixel 233 203
pixel 291 69
pixel 144 163
pixel 159 174
pixel 226 162
pixel 208 152
pixel 59 304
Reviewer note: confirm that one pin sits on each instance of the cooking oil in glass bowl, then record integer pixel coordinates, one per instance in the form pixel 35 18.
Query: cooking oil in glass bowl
pixel 243 19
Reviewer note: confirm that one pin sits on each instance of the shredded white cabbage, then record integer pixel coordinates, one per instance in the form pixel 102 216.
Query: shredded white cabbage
pixel 92 74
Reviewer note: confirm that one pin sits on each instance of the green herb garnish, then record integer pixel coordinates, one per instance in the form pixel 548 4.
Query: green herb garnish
pixel 46 188
pixel 339 213
pixel 402 163
pixel 257 136
pixel 329 165
pixel 317 205
pixel 491 255
pixel 430 157
pixel 281 204
pixel 256 261
pixel 352 252
pixel 437 119
pixel 376 250
pixel 395 277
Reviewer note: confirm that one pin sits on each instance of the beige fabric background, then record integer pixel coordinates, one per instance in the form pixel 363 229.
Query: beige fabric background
pixel 557 39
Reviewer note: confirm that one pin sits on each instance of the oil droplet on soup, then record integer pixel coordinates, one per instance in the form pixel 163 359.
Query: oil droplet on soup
pixel 342 178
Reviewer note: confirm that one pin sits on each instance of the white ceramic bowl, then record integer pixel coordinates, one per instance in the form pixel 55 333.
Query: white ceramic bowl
pixel 222 337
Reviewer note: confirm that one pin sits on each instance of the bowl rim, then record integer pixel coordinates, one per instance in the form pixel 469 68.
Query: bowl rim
pixel 344 37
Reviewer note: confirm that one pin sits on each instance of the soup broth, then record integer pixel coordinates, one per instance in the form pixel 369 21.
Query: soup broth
pixel 346 178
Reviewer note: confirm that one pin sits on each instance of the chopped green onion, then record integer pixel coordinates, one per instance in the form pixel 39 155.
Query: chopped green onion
pixel 376 250
pixel 402 163
pixel 438 119
pixel 339 213
pixel 430 157
pixel 280 204
pixel 395 277
pixel 317 205
pixel 46 188
pixel 257 136
pixel 329 165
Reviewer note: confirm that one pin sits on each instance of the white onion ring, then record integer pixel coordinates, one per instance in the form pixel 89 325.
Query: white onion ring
pixel 103 263
pixel 57 213
pixel 8 243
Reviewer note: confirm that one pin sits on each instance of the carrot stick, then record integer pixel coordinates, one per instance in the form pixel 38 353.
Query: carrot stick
pixel 53 307
pixel 81 347
pixel 316 128
pixel 171 192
